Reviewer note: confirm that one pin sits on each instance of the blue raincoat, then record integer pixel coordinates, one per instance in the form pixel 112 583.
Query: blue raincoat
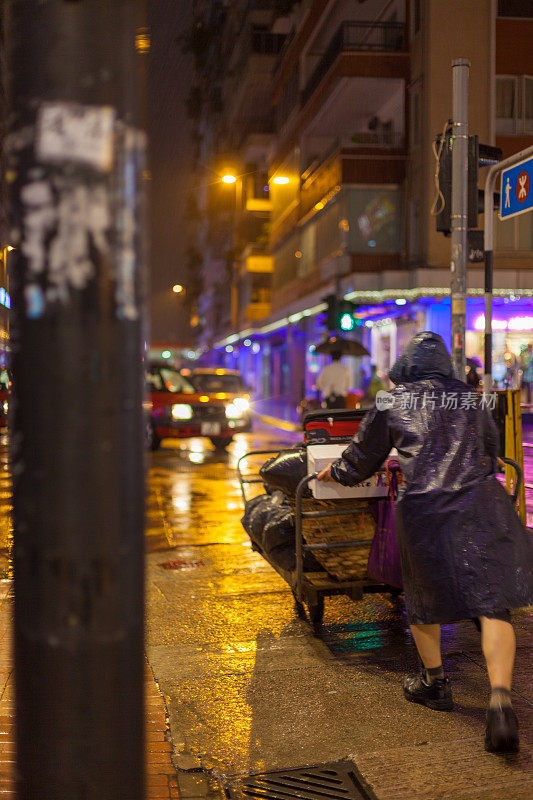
pixel 464 551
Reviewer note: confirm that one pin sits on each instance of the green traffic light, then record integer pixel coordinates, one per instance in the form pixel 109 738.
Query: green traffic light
pixel 347 322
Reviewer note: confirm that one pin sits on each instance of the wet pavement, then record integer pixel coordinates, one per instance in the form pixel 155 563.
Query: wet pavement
pixel 250 688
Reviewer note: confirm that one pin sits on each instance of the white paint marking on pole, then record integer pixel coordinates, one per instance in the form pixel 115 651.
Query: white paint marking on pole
pixel 76 133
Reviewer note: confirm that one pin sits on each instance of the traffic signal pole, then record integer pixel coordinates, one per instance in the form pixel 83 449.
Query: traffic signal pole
pixel 490 185
pixel 75 163
pixel 459 212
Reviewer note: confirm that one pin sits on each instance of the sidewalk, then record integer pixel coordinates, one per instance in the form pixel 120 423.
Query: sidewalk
pixel 251 689
pixel 161 777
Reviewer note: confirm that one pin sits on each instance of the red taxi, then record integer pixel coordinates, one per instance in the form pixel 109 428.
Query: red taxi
pixel 179 410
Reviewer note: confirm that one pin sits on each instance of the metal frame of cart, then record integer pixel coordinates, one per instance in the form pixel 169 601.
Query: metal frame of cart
pixel 310 588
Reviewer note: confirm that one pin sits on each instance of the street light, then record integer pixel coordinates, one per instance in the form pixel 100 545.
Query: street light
pixel 177 288
pixel 280 180
pixel 229 179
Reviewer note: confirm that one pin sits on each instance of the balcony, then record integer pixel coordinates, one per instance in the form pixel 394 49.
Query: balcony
pixel 356 37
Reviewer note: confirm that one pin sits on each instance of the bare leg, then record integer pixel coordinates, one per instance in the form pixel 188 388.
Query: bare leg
pixel 499 647
pixel 431 688
pixel 427 640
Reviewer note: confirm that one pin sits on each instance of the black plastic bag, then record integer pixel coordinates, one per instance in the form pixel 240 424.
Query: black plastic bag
pixel 279 528
pixel 258 511
pixel 286 470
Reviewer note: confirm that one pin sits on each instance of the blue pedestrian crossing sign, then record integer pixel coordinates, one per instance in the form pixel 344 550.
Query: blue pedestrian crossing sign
pixel 517 189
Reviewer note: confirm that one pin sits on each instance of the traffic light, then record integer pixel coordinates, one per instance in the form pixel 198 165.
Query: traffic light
pixel 339 314
pixel 345 318
pixel 479 155
pixel 331 312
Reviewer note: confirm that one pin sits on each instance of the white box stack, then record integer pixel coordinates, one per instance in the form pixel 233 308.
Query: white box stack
pixel 318 458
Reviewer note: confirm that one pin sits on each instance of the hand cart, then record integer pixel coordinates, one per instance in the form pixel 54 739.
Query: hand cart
pixel 310 588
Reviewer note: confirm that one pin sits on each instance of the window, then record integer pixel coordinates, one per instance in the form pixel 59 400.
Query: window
pixel 515 8
pixel 514 104
pixel 506 104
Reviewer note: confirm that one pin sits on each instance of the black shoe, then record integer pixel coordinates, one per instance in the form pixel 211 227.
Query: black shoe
pixel 501 735
pixel 436 695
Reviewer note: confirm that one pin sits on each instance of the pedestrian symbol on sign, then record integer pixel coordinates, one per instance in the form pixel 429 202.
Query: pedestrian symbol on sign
pixel 522 187
pixel 508 194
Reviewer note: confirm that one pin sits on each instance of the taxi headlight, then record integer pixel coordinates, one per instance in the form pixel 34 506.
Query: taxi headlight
pixel 181 411
pixel 233 412
pixel 241 403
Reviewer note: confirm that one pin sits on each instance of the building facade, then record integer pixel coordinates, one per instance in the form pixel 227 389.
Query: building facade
pixel 358 93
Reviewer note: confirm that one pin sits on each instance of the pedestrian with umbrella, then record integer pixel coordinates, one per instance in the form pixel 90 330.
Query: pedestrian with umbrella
pixel 464 551
pixel 335 380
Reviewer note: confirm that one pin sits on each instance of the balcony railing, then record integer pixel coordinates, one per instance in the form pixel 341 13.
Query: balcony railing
pixel 354 37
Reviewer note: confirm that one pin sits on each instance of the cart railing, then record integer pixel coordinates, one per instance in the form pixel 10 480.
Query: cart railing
pixel 301 545
pixel 245 480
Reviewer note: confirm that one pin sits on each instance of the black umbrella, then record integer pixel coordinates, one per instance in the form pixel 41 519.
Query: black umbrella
pixel 337 344
pixel 473 363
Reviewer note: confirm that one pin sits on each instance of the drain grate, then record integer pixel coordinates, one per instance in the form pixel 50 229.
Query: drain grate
pixel 182 563
pixel 339 781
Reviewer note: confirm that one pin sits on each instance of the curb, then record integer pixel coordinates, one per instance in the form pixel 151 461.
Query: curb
pixel 278 423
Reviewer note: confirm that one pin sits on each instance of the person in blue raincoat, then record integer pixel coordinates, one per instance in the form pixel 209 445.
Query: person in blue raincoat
pixel 465 553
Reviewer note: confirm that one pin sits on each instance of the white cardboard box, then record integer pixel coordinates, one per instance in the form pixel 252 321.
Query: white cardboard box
pixel 318 458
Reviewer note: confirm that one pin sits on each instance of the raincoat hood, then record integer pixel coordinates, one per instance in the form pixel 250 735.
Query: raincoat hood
pixel 425 357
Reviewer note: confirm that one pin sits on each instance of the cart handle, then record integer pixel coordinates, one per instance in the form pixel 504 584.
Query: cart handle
pixel 519 476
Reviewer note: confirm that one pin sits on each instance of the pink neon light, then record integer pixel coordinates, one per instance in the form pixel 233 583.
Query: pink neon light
pixel 513 324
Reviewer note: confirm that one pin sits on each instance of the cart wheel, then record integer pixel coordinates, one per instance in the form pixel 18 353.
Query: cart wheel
pixel 316 613
pixel 298 606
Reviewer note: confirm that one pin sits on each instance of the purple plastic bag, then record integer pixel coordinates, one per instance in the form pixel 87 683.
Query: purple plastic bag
pixel 384 563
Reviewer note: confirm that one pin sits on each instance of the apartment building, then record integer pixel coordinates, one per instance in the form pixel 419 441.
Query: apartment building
pixel 235 133
pixel 359 92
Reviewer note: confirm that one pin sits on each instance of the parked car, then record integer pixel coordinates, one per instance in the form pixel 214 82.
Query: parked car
pixel 224 384
pixel 179 409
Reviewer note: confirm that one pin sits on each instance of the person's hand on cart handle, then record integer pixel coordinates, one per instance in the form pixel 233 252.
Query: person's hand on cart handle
pixel 325 475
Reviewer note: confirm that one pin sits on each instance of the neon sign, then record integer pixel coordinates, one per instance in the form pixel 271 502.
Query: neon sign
pixel 512 324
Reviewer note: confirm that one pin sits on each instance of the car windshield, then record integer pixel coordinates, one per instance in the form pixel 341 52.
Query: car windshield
pixel 166 379
pixel 211 382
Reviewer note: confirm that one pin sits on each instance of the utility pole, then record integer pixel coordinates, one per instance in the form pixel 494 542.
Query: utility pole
pixel 75 163
pixel 459 216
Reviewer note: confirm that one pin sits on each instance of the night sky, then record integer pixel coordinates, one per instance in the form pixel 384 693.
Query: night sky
pixel 170 152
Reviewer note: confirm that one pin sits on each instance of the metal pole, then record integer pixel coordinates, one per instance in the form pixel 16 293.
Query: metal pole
pixel 459 215
pixel 75 162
